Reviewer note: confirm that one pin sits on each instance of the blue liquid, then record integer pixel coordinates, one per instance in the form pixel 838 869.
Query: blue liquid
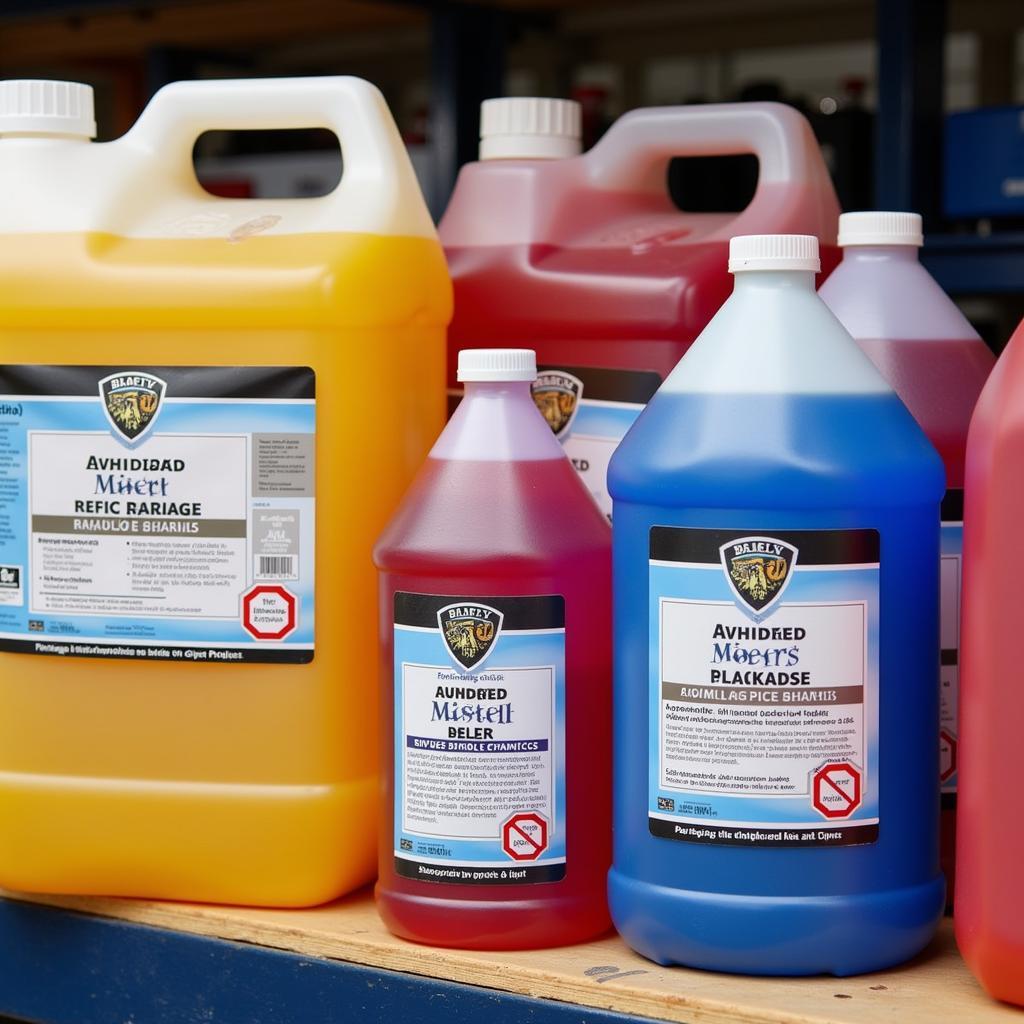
pixel 763 463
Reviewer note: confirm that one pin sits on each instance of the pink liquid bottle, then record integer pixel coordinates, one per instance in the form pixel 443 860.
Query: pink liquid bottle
pixel 588 259
pixel 937 364
pixel 495 627
pixel 990 840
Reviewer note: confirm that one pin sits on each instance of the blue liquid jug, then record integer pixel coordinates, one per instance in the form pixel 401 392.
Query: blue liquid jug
pixel 776 540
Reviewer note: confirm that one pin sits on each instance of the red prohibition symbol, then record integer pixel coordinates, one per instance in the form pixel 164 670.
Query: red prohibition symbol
pixel 837 789
pixel 947 755
pixel 525 836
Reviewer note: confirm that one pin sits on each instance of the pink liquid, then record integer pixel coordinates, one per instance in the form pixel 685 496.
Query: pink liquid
pixel 510 528
pixel 939 382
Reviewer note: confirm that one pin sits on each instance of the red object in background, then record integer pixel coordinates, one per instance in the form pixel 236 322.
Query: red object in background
pixel 594 120
pixel 588 260
pixel 229 188
pixel 989 911
pixel 418 133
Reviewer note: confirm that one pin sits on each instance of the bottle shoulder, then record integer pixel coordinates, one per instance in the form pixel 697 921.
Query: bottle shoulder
pixel 896 299
pixel 776 450
pixel 774 337
pixel 476 517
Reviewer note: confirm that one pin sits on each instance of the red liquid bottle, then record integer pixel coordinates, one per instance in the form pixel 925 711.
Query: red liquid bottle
pixel 989 913
pixel 588 257
pixel 936 362
pixel 495 627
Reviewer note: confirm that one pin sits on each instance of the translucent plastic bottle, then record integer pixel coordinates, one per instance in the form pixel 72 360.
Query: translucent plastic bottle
pixel 192 396
pixel 495 625
pixel 776 600
pixel 937 363
pixel 990 840
pixel 588 259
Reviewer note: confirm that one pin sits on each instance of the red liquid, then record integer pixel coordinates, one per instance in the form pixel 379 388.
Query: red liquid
pixel 509 528
pixel 939 382
pixel 635 305
pixel 990 846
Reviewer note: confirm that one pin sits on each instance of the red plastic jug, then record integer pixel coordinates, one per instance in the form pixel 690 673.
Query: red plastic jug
pixel 495 603
pixel 588 260
pixel 989 912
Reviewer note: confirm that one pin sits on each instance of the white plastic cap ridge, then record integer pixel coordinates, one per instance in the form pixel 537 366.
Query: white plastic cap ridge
pixel 497 364
pixel 530 128
pixel 880 227
pixel 40 107
pixel 773 252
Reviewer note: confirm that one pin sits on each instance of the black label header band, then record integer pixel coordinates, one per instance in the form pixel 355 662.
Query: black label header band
pixel 815 547
pixel 280 382
pixel 421 610
pixel 635 387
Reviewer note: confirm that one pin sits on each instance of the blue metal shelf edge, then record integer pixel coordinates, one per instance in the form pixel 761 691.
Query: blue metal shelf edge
pixel 976 263
pixel 62 967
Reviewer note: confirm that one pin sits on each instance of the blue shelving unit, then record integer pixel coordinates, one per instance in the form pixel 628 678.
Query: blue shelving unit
pixel 977 263
pixel 105 961
pixel 61 967
pixel 908 153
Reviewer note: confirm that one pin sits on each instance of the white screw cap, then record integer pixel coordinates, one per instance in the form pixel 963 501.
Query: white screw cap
pixel 773 252
pixel 880 227
pixel 497 364
pixel 40 107
pixel 529 128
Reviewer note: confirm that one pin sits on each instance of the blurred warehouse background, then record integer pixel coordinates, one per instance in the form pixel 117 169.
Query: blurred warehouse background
pixel 917 104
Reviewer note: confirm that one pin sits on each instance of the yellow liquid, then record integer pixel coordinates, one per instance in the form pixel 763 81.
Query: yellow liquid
pixel 218 782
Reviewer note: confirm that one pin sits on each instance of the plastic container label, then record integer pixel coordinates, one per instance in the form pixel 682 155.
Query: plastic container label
pixel 950 575
pixel 590 410
pixel 158 512
pixel 479 738
pixel 764 686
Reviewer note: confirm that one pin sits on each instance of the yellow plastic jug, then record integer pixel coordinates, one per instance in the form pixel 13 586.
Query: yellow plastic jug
pixel 205 404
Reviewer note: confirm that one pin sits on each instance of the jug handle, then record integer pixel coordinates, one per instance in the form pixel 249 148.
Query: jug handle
pixel 633 154
pixel 376 172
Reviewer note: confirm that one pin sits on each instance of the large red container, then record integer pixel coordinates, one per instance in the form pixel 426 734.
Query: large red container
pixel 588 260
pixel 989 911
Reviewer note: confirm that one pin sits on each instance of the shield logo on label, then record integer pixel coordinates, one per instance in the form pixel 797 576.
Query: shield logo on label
pixel 470 631
pixel 558 395
pixel 132 400
pixel 758 570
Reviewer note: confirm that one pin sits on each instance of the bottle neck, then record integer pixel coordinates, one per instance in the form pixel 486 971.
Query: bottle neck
pixel 528 147
pixel 754 280
pixel 497 421
pixel 880 254
pixel 506 390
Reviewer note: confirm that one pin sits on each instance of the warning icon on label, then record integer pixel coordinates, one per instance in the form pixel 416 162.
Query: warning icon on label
pixel 269 612
pixel 837 789
pixel 947 755
pixel 525 836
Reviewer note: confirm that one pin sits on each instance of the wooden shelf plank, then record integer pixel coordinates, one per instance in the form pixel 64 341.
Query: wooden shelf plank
pixel 934 989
